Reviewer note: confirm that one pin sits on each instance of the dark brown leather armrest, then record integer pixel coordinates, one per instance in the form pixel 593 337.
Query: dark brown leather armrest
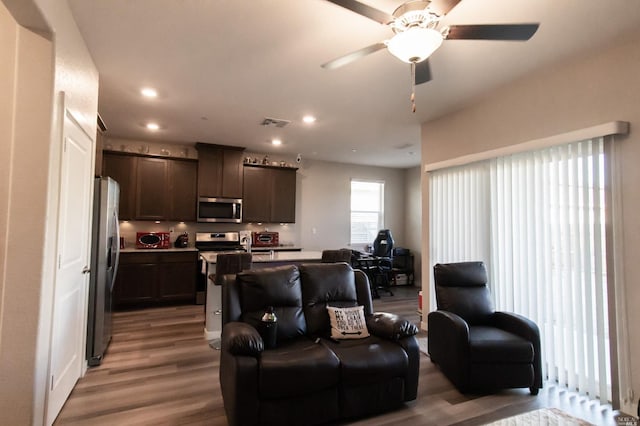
pixel 390 326
pixel 239 338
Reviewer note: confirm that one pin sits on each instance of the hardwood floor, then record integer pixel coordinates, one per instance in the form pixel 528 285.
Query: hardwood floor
pixel 159 370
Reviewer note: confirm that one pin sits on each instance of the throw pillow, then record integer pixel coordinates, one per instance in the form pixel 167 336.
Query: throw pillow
pixel 347 323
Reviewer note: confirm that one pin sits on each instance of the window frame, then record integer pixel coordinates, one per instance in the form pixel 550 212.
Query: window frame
pixel 380 211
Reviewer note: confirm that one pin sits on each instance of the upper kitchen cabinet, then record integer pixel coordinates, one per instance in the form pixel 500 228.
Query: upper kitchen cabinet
pixel 269 194
pixel 153 188
pixel 122 168
pixel 183 176
pixel 219 171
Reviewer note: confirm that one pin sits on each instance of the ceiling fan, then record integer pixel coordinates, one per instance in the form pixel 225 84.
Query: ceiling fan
pixel 415 24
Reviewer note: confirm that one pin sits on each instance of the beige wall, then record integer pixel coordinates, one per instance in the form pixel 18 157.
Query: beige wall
pixel 413 218
pixel 44 70
pixel 580 93
pixel 26 79
pixel 324 202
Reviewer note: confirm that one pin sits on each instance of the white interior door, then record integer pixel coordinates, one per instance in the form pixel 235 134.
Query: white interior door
pixel 71 284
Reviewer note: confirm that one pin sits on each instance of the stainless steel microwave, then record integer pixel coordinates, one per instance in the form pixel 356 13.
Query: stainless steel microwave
pixel 227 210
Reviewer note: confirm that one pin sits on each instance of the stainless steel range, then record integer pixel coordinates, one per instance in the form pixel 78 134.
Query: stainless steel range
pixel 209 245
pixel 216 242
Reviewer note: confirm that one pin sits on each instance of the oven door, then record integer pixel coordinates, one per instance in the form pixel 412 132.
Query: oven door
pixel 227 210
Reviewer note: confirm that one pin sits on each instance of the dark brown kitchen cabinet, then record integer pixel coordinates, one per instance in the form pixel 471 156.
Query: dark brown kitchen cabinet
pixel 122 168
pixel 153 188
pixel 146 279
pixel 219 171
pixel 183 176
pixel 269 194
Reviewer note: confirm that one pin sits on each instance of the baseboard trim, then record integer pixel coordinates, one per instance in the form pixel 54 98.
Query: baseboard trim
pixel 210 335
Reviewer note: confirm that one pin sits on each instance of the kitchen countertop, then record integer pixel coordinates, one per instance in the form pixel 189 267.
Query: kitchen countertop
pixel 277 257
pixel 171 249
pixel 255 249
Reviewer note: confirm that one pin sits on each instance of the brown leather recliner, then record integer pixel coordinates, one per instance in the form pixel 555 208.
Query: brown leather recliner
pixel 309 378
pixel 476 347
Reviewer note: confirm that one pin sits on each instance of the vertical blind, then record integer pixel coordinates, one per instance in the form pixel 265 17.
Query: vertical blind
pixel 537 220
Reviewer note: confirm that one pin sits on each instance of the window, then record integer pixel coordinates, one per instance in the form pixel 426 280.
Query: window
pixel 537 220
pixel 367 211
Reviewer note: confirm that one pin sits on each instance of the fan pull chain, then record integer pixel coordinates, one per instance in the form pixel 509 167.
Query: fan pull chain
pixel 413 87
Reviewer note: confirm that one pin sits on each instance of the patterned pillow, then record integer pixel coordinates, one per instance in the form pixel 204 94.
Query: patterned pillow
pixel 347 323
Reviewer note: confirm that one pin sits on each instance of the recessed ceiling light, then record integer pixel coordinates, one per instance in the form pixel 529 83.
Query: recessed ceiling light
pixel 276 142
pixel 153 126
pixel 309 119
pixel 148 92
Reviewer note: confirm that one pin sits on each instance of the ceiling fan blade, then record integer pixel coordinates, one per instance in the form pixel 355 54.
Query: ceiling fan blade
pixel 516 32
pixel 442 7
pixel 364 10
pixel 423 72
pixel 350 57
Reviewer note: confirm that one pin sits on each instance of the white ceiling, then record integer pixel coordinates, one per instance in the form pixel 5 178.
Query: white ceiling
pixel 222 66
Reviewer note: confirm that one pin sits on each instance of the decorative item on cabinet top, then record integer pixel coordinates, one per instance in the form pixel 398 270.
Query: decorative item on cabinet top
pixel 152 150
pixel 255 162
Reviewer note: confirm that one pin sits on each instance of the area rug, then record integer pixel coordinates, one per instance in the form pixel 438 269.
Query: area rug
pixel 541 417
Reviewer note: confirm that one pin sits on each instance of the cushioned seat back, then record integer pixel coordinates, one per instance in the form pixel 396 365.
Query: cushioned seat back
pixel 461 288
pixel 332 256
pixel 231 263
pixel 322 284
pixel 383 244
pixel 278 287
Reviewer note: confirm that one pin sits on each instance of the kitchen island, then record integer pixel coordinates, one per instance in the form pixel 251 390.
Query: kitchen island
pixel 213 320
pixel 276 257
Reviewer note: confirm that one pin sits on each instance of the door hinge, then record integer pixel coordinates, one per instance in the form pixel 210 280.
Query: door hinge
pixel 52 382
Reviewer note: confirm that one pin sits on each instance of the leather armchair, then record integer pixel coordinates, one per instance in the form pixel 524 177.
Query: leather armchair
pixel 309 378
pixel 477 348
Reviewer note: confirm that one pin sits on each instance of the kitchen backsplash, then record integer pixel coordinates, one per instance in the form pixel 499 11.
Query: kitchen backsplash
pixel 128 229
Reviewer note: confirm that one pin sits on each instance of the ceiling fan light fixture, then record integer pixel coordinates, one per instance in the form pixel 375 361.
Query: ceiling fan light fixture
pixel 415 44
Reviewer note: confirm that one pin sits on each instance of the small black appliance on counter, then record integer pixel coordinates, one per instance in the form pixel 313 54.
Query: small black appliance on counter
pixel 182 241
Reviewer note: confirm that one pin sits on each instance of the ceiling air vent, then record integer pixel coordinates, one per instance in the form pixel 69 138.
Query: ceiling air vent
pixel 274 122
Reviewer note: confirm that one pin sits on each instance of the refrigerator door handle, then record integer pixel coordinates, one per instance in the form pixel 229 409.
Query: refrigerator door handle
pixel 115 246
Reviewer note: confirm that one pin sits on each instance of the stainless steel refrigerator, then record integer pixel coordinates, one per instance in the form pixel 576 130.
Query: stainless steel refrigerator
pixel 104 266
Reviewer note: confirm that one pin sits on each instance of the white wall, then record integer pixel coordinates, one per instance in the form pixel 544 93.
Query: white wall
pixel 29 277
pixel 580 93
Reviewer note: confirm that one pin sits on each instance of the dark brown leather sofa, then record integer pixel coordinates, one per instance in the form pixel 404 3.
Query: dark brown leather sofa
pixel 308 378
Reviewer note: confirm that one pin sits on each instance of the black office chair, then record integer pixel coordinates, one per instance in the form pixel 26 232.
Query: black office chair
pixel 381 267
pixel 476 347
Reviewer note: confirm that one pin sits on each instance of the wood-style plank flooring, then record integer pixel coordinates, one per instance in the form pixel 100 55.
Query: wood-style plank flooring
pixel 159 370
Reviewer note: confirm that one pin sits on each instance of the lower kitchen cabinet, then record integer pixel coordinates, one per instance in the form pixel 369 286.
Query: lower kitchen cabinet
pixel 147 279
